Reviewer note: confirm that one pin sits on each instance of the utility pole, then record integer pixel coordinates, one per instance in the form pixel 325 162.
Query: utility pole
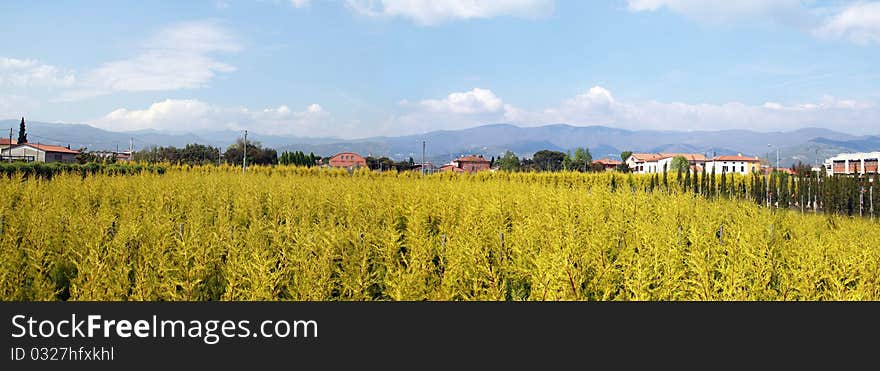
pixel 423 157
pixel 777 157
pixel 10 145
pixel 244 154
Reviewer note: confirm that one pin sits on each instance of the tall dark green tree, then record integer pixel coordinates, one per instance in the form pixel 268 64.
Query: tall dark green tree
pixel 547 160
pixel 704 182
pixel 712 183
pixel 22 133
pixel 665 179
pixel 687 180
pixel 723 183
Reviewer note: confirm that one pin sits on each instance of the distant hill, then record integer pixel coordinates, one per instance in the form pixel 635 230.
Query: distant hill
pixel 92 138
pixel 804 145
pixel 493 140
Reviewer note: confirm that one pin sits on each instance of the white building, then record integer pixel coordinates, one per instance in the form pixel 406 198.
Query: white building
pixel 651 163
pixel 852 163
pixel 738 164
pixel 31 152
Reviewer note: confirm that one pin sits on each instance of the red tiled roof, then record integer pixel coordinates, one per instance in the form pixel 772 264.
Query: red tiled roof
pixel 48 148
pixel 688 156
pixel 659 156
pixel 736 158
pixel 646 156
pixel 452 168
pixel 6 141
pixel 607 161
pixel 471 159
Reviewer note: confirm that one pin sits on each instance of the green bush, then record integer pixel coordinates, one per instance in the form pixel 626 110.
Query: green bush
pixel 48 170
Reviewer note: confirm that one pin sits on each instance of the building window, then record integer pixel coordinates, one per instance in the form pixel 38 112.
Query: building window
pixel 742 169
pixel 724 169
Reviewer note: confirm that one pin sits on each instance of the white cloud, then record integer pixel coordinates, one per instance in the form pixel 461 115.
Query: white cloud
pixel 32 73
pixel 300 3
pixel 455 111
pixel 14 106
pixel 177 57
pixel 193 115
pixel 598 106
pixel 858 23
pixel 470 102
pixel 722 10
pixel 431 12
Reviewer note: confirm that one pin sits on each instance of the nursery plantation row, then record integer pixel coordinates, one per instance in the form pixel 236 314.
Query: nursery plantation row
pixel 290 233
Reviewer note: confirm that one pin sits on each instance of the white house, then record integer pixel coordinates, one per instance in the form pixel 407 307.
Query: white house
pixel 651 163
pixel 31 152
pixel 853 163
pixel 738 164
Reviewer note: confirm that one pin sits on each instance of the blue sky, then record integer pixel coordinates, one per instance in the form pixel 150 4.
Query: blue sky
pixel 358 68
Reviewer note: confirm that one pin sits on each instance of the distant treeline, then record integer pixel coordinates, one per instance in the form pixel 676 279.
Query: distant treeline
pixel 199 154
pixel 48 170
pixel 547 160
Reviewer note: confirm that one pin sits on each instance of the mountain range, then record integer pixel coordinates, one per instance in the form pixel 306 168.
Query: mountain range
pixel 807 145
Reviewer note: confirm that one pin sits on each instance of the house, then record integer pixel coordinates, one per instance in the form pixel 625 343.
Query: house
pixel 468 164
pixel 738 164
pixel 6 143
pixel 607 163
pixel 852 163
pixel 651 163
pixel 347 160
pixel 31 152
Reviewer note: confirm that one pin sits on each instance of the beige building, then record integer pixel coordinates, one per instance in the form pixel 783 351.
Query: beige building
pixel 738 164
pixel 31 152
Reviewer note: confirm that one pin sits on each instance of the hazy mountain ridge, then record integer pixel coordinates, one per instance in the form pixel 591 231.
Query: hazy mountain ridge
pixel 805 145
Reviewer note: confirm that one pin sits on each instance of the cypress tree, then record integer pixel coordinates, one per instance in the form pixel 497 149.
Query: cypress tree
pixel 665 179
pixel 22 133
pixel 687 180
pixel 704 183
pixel 712 183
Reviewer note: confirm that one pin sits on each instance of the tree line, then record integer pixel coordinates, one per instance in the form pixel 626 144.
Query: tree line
pixel 547 160
pixel 200 154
